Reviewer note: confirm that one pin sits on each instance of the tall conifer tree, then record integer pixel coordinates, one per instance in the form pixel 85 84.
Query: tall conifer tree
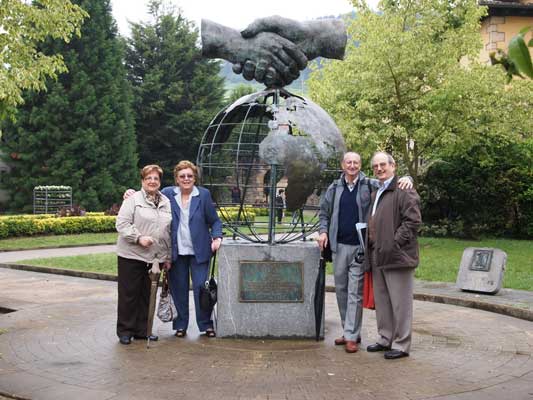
pixel 176 91
pixel 81 131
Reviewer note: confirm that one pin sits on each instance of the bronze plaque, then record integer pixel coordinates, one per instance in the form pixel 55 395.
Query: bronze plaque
pixel 481 260
pixel 271 282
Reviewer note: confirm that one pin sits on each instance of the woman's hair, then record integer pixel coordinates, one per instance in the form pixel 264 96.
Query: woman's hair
pixel 151 168
pixel 184 164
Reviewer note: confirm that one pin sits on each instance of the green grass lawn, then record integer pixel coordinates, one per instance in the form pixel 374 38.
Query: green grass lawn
pixel 105 263
pixel 37 242
pixel 439 260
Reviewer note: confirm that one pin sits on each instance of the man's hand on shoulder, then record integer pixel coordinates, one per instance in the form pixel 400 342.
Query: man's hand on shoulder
pixel 128 193
pixel 405 183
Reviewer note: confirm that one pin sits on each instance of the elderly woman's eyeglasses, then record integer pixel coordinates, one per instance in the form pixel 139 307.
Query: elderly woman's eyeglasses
pixel 185 176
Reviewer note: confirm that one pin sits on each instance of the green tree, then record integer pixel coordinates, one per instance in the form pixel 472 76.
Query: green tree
pixel 176 91
pixel 23 27
pixel 81 132
pixel 393 90
pixel 495 174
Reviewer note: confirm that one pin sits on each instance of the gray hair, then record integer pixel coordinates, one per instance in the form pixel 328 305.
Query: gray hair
pixel 351 152
pixel 390 159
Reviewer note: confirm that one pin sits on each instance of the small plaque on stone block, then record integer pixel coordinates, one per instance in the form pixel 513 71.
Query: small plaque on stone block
pixel 274 282
pixel 482 270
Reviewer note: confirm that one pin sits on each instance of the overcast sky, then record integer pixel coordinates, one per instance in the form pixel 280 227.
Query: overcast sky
pixel 233 13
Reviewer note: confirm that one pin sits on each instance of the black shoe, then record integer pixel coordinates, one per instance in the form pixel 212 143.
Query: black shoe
pixel 124 339
pixel 394 354
pixel 377 347
pixel 153 338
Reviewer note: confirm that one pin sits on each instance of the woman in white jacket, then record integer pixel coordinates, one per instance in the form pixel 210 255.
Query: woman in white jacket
pixel 143 224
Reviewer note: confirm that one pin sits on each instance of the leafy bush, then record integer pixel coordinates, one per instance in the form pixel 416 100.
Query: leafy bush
pixel 482 190
pixel 25 226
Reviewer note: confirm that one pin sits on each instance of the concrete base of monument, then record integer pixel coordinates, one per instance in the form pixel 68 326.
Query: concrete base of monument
pixel 267 291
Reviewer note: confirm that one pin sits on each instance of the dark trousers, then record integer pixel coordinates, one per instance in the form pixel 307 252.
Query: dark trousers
pixel 279 214
pixel 133 297
pixel 179 287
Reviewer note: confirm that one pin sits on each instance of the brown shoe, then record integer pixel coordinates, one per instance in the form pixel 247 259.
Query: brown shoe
pixel 340 341
pixel 351 346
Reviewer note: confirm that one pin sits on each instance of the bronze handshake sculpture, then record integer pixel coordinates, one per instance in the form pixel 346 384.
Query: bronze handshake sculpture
pixel 273 50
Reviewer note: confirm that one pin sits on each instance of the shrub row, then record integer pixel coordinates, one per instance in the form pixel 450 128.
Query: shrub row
pixel 17 226
pixel 257 211
pixel 231 213
pixel 92 222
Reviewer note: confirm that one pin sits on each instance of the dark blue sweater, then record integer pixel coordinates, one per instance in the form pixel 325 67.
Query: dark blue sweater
pixel 348 217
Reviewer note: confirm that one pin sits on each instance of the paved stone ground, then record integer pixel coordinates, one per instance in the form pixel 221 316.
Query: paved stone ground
pixel 61 344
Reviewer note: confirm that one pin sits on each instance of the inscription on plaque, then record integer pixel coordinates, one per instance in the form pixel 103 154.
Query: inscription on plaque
pixel 481 260
pixel 271 282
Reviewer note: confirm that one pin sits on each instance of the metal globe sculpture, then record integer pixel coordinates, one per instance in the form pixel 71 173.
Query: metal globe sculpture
pixel 266 159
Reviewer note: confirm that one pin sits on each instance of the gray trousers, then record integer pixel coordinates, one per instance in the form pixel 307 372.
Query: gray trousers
pixel 349 289
pixel 393 295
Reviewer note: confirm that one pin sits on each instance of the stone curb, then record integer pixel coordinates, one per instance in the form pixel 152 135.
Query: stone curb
pixel 4 395
pixel 65 246
pixel 504 309
pixel 60 271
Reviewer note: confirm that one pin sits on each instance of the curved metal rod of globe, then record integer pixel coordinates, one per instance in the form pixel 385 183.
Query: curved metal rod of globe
pixel 273 50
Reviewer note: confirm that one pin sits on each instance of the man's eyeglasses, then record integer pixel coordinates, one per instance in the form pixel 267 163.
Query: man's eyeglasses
pixel 380 165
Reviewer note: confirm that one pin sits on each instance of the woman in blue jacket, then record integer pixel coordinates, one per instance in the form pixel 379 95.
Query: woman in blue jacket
pixel 196 232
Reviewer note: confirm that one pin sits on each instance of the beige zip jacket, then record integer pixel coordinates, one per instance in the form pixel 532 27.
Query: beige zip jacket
pixel 139 217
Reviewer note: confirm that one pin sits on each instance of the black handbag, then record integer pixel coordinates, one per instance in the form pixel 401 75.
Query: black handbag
pixel 208 292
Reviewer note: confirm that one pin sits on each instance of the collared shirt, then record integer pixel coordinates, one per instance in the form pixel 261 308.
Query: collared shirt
pixel 382 187
pixel 351 186
pixel 185 246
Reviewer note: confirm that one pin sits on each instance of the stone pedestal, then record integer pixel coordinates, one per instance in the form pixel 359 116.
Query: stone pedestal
pixel 267 291
pixel 481 270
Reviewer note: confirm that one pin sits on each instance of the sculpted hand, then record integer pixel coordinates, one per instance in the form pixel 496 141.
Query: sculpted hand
pixel 266 57
pixel 271 59
pixel 321 38
pixel 292 30
pixel 322 241
pixel 128 193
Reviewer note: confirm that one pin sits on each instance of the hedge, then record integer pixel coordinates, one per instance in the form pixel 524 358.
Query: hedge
pixel 25 226
pixel 48 224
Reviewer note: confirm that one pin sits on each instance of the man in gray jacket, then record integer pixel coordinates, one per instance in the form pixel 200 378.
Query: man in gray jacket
pixel 345 203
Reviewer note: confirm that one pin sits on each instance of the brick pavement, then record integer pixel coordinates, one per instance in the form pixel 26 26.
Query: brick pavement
pixel 61 344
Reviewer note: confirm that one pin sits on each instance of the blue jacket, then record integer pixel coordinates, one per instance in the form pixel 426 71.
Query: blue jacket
pixel 203 223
